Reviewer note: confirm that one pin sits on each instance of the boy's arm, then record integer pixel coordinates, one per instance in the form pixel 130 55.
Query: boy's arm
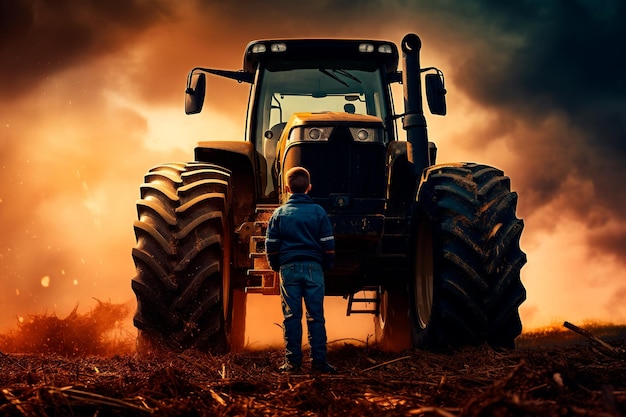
pixel 272 244
pixel 327 242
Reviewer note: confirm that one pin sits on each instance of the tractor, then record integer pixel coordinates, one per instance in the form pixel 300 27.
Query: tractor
pixel 430 250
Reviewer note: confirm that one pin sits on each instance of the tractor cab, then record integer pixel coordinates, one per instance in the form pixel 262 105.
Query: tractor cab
pixel 347 80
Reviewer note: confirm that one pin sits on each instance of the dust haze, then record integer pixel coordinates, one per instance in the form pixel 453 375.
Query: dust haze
pixel 92 96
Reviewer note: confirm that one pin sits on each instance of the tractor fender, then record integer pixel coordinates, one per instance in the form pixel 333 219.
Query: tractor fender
pixel 241 159
pixel 396 150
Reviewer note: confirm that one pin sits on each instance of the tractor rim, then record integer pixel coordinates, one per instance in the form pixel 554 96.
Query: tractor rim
pixel 423 288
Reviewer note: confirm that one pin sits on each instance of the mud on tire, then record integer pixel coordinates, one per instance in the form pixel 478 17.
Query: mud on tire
pixel 182 258
pixel 465 287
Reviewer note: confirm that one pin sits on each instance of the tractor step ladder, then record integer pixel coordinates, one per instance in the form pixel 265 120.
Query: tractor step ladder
pixel 371 295
pixel 269 278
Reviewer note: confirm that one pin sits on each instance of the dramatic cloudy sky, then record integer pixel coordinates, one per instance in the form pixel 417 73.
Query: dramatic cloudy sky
pixel 91 97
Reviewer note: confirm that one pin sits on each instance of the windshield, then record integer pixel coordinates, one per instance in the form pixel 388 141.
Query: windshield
pixel 338 87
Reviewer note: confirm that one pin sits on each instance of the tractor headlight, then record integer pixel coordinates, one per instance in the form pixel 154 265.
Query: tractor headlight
pixel 310 134
pixel 361 134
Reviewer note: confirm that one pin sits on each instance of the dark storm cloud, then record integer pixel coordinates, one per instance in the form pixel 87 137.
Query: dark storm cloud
pixel 40 37
pixel 572 54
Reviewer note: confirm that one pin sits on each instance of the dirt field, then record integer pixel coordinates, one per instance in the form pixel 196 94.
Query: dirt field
pixel 70 370
pixel 580 379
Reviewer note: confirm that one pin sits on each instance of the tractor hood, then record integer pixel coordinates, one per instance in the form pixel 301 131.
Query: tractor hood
pixel 306 127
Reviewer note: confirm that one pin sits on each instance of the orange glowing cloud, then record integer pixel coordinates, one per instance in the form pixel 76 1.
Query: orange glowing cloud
pixel 93 93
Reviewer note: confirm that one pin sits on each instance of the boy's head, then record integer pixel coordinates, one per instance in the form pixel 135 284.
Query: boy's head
pixel 298 180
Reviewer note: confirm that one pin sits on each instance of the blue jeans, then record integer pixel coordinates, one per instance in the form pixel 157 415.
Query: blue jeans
pixel 298 280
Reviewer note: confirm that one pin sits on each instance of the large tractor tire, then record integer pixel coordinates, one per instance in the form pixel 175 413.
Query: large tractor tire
pixel 465 287
pixel 182 259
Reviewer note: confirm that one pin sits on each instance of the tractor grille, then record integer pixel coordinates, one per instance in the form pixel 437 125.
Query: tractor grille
pixel 348 177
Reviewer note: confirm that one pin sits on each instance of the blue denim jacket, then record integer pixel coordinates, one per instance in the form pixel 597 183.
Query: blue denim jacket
pixel 300 230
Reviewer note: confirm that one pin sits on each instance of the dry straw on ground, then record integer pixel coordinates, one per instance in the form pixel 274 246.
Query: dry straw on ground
pixel 581 379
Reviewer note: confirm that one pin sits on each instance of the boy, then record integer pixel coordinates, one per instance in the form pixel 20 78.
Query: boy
pixel 300 244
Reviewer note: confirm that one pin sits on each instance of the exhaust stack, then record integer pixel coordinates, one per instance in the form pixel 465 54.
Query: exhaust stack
pixel 414 121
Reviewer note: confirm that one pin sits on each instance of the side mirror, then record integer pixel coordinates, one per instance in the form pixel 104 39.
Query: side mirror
pixel 194 94
pixel 435 94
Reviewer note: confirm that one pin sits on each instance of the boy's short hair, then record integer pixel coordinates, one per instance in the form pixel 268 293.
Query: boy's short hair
pixel 298 179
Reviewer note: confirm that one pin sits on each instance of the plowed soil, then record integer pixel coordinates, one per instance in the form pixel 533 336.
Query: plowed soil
pixel 557 375
pixel 571 380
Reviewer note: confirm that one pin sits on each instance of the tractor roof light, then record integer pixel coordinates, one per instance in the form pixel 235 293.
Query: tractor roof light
pixel 278 47
pixel 384 48
pixel 366 47
pixel 258 48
